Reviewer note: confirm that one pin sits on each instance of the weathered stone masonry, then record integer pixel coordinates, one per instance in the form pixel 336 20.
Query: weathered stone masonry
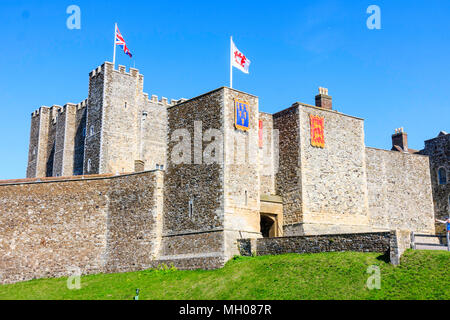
pixel 392 244
pixel 215 185
pixel 362 242
pixel 346 187
pixel 400 195
pixel 117 125
pixel 216 189
pixel 438 149
pixel 97 224
pixel 198 234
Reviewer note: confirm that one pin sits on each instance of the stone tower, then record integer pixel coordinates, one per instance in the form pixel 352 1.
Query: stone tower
pixel 57 141
pixel 117 127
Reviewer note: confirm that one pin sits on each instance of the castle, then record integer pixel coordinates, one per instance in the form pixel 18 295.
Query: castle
pixel 124 181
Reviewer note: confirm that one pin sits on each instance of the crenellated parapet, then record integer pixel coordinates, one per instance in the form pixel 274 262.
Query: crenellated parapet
pixel 54 112
pixel 64 138
pixel 83 104
pixel 133 72
pixel 163 101
pixel 120 69
pixel 97 71
pixel 37 113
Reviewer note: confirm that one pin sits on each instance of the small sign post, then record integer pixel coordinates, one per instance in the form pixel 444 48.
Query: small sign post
pixel 137 295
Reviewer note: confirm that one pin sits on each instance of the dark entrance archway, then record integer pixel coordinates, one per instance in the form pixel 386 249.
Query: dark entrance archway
pixel 267 226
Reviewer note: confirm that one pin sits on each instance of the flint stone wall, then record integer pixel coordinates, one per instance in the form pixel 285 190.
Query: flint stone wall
pixel 188 177
pixel 360 242
pixel 400 195
pixel 80 134
pixel 394 243
pixel 94 119
pixel 51 139
pixel 438 149
pixel 63 164
pixel 34 144
pixel 103 224
pixel 321 187
pixel 58 156
pixel 333 178
pixel 287 178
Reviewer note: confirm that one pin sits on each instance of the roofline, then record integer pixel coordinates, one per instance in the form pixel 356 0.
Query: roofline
pixel 209 92
pixel 297 104
pixel 71 178
pixel 437 137
pixel 393 151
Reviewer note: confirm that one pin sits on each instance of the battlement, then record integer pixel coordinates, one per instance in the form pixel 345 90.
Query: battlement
pixel 55 110
pixel 133 72
pixel 97 70
pixel 123 69
pixel 37 112
pixel 78 106
pixel 83 104
pixel 163 101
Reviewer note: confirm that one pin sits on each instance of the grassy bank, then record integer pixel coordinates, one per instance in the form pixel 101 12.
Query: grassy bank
pixel 422 275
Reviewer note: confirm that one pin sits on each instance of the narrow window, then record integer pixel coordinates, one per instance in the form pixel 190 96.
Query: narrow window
pixel 157 166
pixel 442 176
pixel 191 208
pixel 91 131
pixel 162 167
pixel 84 132
pixel 246 198
pixel 34 151
pixel 125 105
pixel 89 166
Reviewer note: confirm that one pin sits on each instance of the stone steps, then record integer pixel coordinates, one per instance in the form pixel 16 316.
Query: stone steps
pixel 430 242
pixel 425 246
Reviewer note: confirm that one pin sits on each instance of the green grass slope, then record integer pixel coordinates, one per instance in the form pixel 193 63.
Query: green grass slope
pixel 422 275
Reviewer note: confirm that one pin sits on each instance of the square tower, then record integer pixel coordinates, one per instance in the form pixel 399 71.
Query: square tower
pixel 212 187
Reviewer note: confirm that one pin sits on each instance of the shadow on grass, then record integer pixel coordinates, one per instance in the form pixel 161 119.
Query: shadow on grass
pixel 385 257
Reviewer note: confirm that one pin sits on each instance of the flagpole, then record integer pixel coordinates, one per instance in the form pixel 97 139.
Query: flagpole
pixel 231 62
pixel 114 57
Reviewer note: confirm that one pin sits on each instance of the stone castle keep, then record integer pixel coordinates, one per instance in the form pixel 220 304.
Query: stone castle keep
pixel 104 193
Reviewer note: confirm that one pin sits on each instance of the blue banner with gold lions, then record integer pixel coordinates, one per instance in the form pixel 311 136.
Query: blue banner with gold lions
pixel 241 115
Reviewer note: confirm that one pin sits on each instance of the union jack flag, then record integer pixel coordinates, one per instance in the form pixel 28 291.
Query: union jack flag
pixel 121 42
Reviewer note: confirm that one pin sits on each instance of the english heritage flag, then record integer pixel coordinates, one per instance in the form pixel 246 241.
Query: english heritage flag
pixel 121 42
pixel 238 59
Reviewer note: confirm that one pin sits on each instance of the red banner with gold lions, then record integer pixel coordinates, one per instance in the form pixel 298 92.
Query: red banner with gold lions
pixel 317 131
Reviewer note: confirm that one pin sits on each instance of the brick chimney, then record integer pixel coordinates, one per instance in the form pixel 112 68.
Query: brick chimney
pixel 400 140
pixel 323 100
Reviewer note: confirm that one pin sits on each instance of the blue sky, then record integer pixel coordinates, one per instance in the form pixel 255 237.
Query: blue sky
pixel 394 77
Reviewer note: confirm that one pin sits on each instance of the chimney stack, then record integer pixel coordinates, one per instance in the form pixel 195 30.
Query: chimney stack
pixel 400 139
pixel 323 100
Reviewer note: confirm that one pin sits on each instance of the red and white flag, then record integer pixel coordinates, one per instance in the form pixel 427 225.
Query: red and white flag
pixel 238 59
